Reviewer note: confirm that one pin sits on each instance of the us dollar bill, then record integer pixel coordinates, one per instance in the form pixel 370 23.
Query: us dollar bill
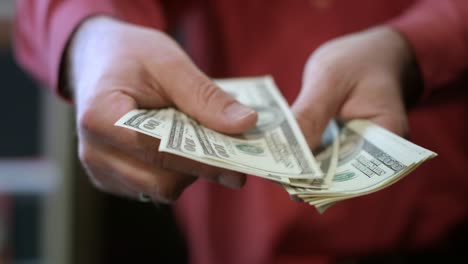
pixel 358 157
pixel 275 148
pixel 153 123
pixel 182 140
pixel 370 158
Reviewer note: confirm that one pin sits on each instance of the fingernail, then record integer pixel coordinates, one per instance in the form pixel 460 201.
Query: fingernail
pixel 236 111
pixel 230 180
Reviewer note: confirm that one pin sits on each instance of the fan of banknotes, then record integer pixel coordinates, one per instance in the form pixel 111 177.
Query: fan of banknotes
pixel 356 158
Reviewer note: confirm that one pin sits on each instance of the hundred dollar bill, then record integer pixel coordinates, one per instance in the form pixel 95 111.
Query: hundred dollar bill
pixel 150 122
pixel 154 123
pixel 358 158
pixel 182 140
pixel 327 158
pixel 370 158
pixel 275 146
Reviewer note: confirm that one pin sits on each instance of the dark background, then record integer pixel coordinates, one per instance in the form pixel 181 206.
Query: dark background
pixel 105 228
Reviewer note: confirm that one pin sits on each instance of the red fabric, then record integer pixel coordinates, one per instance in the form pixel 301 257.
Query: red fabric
pixel 438 32
pixel 260 224
pixel 6 224
pixel 43 28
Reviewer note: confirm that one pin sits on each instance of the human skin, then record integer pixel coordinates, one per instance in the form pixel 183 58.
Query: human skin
pixel 363 75
pixel 134 67
pixel 355 76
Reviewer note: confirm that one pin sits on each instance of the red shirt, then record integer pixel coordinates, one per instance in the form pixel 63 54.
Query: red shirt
pixel 260 224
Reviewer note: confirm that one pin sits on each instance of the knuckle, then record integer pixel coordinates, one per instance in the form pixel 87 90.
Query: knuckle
pixel 158 159
pixel 325 68
pixel 171 162
pixel 86 154
pixel 95 176
pixel 152 156
pixel 87 120
pixel 207 92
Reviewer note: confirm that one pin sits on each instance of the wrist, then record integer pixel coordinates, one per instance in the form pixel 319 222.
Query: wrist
pixel 89 30
pixel 407 68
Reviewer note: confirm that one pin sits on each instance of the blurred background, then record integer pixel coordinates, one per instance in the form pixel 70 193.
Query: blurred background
pixel 49 213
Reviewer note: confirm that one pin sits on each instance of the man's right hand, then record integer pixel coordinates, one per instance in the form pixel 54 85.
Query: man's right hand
pixel 113 67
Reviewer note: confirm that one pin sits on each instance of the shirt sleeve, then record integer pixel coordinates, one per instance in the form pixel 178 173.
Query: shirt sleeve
pixel 43 28
pixel 437 30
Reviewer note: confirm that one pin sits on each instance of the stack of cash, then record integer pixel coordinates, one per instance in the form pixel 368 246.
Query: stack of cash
pixel 355 158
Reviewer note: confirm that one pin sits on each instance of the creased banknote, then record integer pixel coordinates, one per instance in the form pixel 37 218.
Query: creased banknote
pixel 358 158
pixel 274 148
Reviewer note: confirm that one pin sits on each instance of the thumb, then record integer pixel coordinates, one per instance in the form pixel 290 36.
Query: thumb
pixel 196 95
pixel 317 104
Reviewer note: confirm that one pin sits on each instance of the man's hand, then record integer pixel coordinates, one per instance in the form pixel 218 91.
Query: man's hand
pixel 356 76
pixel 112 68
